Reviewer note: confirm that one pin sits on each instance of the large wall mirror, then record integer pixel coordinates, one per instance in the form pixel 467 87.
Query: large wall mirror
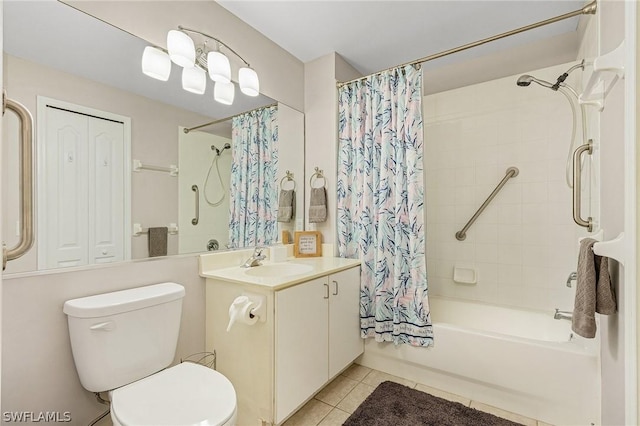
pixel 113 159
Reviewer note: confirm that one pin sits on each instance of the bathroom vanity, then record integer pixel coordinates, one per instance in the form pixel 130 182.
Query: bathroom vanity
pixel 308 334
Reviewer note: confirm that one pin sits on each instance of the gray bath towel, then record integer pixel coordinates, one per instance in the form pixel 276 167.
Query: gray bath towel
pixel 286 205
pixel 158 241
pixel 318 205
pixel 594 292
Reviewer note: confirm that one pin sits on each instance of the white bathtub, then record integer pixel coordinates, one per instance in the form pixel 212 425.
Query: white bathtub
pixel 519 360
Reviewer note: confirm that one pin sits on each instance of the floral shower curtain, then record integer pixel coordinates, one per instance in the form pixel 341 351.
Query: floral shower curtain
pixel 381 203
pixel 253 189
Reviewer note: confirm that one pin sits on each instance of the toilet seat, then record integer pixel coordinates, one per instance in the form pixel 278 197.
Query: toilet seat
pixel 186 394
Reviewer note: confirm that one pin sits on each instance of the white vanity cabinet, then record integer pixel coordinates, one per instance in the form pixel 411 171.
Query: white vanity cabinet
pixel 317 334
pixel 310 333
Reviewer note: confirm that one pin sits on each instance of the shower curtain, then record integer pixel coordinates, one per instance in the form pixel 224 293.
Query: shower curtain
pixel 253 189
pixel 381 203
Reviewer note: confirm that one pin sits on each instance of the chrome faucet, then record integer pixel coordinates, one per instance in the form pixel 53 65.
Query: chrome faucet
pixel 255 258
pixel 572 277
pixel 563 315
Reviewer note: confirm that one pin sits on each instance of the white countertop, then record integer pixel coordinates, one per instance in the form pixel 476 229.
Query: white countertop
pixel 294 271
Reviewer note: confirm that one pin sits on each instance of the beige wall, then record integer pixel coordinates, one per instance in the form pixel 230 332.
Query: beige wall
pixel 637 115
pixel 38 371
pixel 321 130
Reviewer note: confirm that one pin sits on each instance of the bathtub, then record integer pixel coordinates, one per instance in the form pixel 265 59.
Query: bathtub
pixel 522 361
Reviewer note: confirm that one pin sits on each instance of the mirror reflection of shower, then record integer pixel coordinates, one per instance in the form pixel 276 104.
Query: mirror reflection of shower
pixel 572 97
pixel 214 163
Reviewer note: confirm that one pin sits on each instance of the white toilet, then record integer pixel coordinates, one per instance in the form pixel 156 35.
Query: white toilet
pixel 123 341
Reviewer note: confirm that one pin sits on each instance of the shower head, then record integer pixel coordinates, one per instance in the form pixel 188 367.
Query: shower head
pixel 526 79
pixel 220 151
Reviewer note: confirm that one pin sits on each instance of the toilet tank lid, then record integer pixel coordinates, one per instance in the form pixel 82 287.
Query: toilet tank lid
pixel 117 302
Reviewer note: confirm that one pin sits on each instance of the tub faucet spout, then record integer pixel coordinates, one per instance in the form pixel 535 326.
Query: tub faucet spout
pixel 563 315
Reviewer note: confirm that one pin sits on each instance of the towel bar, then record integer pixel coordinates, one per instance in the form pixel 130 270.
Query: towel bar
pixel 138 230
pixel 172 169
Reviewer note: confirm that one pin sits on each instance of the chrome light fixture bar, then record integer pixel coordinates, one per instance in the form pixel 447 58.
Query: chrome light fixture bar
pixel 197 61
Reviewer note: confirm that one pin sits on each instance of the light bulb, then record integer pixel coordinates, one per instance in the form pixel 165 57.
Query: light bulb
pixel 156 63
pixel 248 81
pixel 194 80
pixel 224 92
pixel 181 49
pixel 219 67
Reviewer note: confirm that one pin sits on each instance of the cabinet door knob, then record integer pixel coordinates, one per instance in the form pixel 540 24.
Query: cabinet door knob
pixel 335 293
pixel 326 286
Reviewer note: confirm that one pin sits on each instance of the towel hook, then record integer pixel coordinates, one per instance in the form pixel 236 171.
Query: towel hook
pixel 318 175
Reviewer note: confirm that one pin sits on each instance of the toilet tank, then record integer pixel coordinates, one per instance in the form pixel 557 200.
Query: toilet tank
pixel 123 336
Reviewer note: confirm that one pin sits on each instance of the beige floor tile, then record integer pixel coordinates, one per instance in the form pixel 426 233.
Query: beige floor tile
pixel 442 394
pixel 354 398
pixel 336 417
pixel 310 414
pixel 504 414
pixel 336 390
pixel 356 372
pixel 543 423
pixel 375 377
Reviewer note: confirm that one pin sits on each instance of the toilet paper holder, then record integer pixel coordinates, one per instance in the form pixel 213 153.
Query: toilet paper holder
pixel 248 308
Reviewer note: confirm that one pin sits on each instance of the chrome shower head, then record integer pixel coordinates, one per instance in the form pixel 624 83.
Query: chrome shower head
pixel 526 79
pixel 220 151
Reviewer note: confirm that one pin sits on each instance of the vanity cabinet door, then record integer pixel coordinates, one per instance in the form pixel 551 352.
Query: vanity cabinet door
pixel 301 344
pixel 345 343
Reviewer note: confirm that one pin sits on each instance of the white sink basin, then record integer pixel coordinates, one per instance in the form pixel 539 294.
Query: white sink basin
pixel 278 270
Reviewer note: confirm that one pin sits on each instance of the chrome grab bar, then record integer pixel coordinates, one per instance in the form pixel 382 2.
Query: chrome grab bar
pixel 26 181
pixel 196 219
pixel 577 186
pixel 510 173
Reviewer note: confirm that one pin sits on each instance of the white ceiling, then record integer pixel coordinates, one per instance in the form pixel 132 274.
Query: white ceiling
pixel 374 35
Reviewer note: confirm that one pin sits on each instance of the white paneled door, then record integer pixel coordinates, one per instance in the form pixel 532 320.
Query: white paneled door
pixel 83 158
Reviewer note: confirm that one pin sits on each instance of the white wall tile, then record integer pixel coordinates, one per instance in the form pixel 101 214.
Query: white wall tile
pixel 524 245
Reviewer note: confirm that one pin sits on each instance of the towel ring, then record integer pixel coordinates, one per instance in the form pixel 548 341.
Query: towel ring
pixel 289 178
pixel 317 174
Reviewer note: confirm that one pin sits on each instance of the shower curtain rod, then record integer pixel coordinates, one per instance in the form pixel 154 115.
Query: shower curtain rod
pixel 220 120
pixel 589 9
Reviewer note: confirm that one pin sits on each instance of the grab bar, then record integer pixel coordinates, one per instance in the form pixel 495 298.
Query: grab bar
pixel 196 219
pixel 26 181
pixel 511 172
pixel 577 190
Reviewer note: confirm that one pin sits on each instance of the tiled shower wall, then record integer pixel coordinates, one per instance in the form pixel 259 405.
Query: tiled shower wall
pixel 525 244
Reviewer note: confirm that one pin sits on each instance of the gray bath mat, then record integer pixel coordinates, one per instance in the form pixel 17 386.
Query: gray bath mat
pixel 392 404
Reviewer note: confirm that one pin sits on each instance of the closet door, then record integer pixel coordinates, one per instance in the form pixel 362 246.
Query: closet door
pixel 64 201
pixel 81 204
pixel 106 180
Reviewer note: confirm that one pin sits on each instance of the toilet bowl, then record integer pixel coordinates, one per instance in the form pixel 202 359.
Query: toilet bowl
pixel 122 342
pixel 187 394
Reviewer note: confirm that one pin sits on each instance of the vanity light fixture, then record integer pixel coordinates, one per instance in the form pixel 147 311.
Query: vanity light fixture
pixel 197 60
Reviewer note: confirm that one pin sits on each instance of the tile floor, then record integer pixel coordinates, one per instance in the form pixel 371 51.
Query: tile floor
pixel 335 402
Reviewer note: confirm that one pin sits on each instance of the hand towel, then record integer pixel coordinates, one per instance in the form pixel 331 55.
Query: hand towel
pixel 286 205
pixel 158 241
pixel 318 205
pixel 594 292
